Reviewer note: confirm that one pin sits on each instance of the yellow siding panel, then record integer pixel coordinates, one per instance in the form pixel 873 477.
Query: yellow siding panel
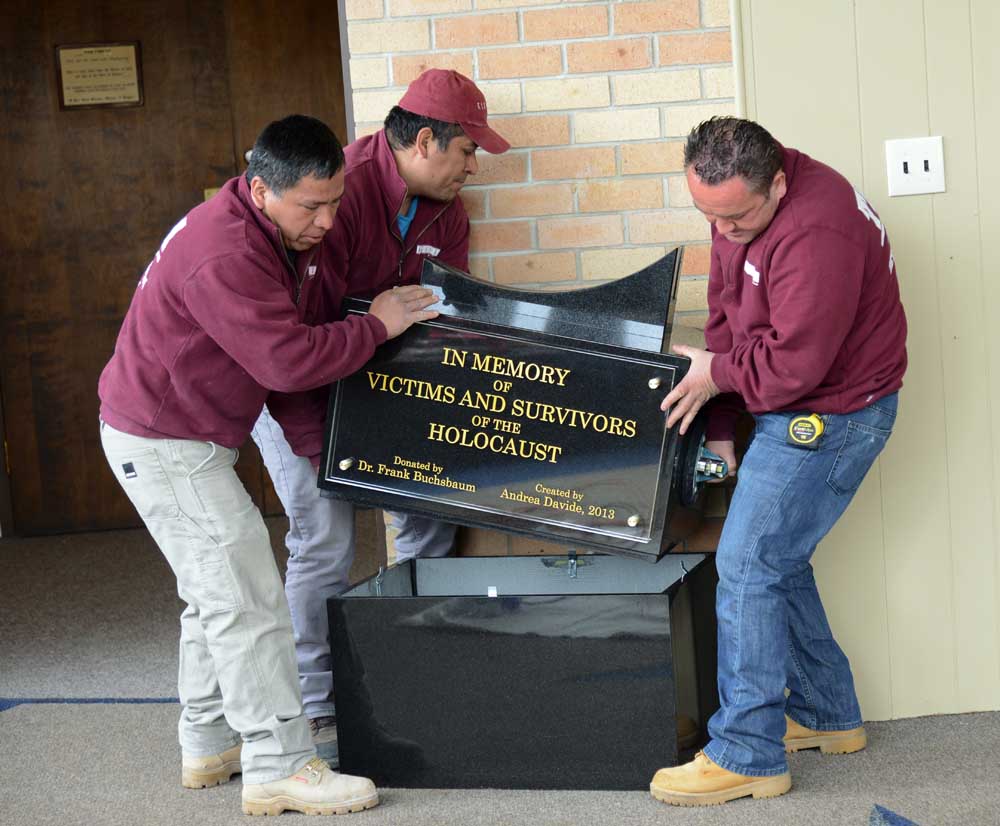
pixel 851 580
pixel 911 576
pixel 814 107
pixel 985 29
pixel 963 349
pixel 805 79
pixel 914 468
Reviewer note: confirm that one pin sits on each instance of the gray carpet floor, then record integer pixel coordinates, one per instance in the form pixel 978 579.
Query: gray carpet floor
pixel 94 616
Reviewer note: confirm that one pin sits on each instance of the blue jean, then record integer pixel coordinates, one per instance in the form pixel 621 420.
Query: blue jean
pixel 773 632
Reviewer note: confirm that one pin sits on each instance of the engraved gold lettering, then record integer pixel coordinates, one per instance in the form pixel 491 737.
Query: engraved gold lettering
pixel 520 496
pixel 507 427
pixel 561 505
pixel 443 481
pixel 443 393
pixel 571 417
pixel 399 460
pixel 402 386
pixel 528 370
pixel 483 401
pixel 497 443
pixel 453 357
pixel 481 362
pixel 396 473
pixel 540 488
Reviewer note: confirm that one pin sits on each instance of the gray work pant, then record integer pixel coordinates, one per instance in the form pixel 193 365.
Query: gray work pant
pixel 320 542
pixel 237 674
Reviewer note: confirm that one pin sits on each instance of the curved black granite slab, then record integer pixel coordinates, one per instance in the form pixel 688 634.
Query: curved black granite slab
pixel 635 311
pixel 483 415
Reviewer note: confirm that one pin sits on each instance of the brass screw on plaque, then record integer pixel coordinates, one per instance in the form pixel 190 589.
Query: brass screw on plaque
pixel 654 383
pixel 633 520
pixel 346 464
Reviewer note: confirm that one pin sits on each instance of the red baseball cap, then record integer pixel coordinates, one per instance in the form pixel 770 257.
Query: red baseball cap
pixel 446 95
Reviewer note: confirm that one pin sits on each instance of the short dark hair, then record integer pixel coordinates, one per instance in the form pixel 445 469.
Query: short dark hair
pixel 290 149
pixel 401 128
pixel 722 148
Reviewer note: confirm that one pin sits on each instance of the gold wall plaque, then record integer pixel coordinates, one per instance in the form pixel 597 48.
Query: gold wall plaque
pixel 99 74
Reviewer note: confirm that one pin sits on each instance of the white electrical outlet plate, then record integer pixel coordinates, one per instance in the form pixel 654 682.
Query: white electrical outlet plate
pixel 915 166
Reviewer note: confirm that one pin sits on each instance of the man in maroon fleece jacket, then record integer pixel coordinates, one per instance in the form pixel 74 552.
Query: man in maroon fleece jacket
pixel 807 332
pixel 401 206
pixel 226 311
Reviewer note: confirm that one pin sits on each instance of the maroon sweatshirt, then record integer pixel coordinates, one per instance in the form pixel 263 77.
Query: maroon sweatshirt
pixel 219 318
pixel 806 316
pixel 365 242
pixel 370 257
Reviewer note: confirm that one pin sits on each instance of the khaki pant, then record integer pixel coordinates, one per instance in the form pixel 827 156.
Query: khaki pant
pixel 237 675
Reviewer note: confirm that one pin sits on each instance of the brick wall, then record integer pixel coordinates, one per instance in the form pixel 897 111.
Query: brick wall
pixel 595 99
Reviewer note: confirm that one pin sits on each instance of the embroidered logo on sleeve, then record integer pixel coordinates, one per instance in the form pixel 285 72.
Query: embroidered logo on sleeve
pixel 751 270
pixel 427 249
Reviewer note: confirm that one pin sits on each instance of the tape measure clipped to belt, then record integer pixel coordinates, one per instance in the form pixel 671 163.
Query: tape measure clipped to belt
pixel 804 431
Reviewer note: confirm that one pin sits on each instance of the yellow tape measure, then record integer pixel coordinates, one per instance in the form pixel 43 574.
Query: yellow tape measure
pixel 804 431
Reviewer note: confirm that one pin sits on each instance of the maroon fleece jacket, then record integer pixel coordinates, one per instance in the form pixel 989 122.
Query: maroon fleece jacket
pixel 370 257
pixel 365 242
pixel 807 316
pixel 218 319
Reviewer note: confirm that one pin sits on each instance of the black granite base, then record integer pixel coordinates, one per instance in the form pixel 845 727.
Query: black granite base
pixel 566 679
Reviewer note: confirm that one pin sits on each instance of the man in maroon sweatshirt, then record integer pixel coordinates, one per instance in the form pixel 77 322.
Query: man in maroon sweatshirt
pixel 807 332
pixel 401 207
pixel 226 312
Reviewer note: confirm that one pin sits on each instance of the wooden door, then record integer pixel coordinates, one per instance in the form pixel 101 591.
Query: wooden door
pixel 90 194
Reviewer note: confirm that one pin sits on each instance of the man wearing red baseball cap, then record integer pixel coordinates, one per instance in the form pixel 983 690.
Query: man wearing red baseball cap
pixel 448 96
pixel 400 206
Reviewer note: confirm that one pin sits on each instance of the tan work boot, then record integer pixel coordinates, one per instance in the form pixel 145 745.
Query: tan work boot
pixel 828 742
pixel 211 770
pixel 314 790
pixel 702 783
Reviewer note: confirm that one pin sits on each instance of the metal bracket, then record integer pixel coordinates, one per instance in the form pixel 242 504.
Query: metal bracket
pixel 709 466
pixel 378 580
pixel 571 564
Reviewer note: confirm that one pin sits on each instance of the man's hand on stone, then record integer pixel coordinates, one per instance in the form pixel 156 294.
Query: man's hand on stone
pixel 696 388
pixel 401 307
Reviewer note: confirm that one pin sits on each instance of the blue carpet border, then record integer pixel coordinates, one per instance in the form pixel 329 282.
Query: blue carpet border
pixel 11 702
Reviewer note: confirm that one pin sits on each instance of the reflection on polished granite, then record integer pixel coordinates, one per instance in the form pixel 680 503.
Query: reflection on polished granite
pixel 485 705
pixel 634 311
pixel 531 691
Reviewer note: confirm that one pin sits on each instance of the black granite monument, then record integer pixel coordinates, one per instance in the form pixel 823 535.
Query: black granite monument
pixel 522 672
pixel 535 413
